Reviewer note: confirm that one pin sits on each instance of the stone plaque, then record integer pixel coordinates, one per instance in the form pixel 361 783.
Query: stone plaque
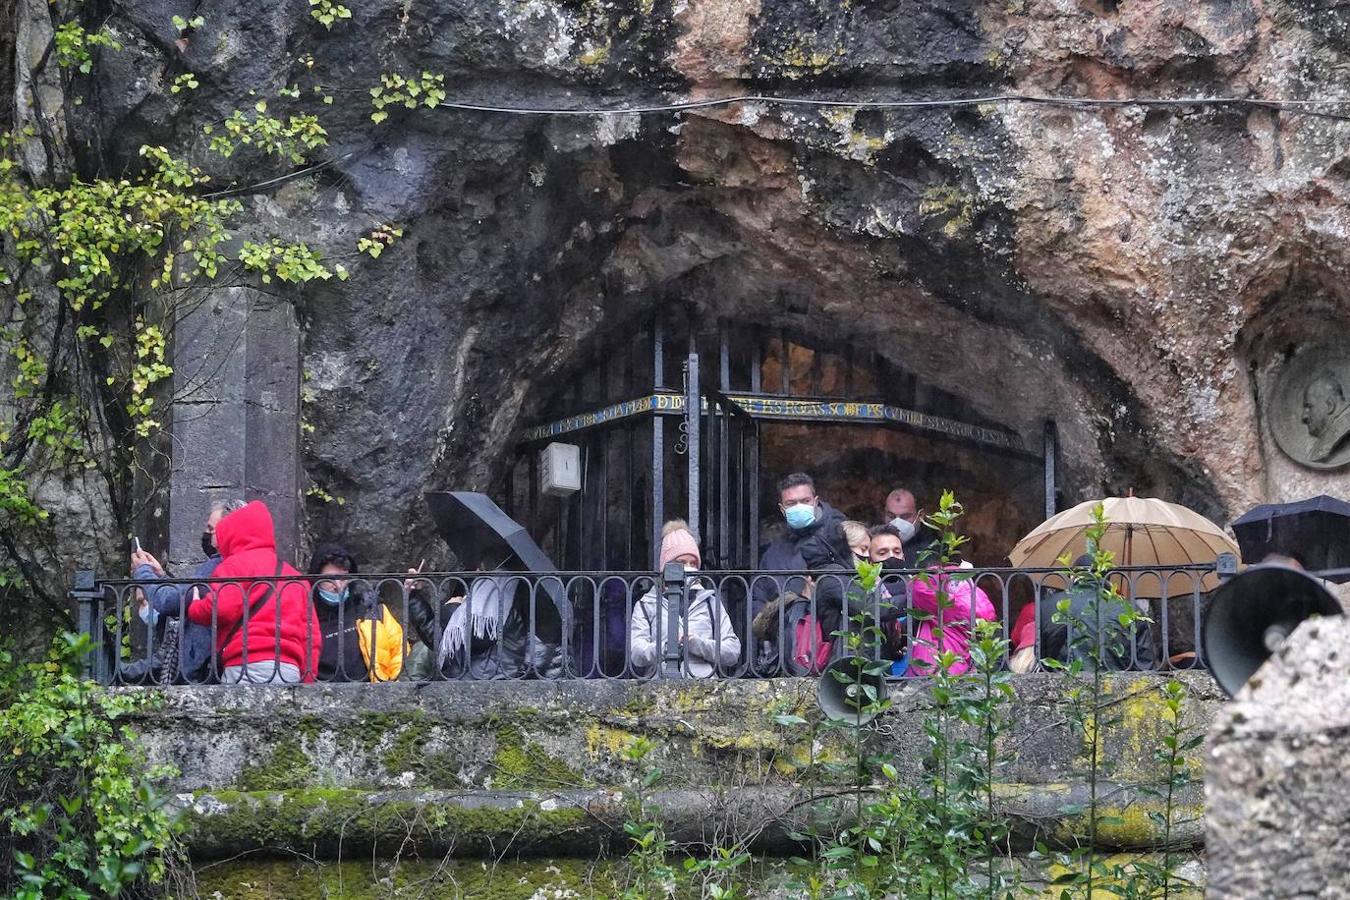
pixel 1309 410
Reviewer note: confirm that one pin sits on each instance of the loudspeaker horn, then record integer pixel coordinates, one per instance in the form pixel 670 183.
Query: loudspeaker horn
pixel 1251 614
pixel 840 690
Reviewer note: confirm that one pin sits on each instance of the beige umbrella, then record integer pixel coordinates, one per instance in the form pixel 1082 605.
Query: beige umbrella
pixel 1140 531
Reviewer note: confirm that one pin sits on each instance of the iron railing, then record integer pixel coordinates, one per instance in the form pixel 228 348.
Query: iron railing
pixel 510 625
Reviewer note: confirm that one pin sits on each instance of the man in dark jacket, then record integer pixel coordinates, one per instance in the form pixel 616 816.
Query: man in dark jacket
pixel 813 526
pixel 902 512
pixel 817 528
pixel 814 542
pixel 170 601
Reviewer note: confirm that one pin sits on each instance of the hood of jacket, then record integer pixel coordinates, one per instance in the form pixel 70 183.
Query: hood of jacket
pixel 249 528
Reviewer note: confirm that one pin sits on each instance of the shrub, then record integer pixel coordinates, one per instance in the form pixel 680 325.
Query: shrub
pixel 79 813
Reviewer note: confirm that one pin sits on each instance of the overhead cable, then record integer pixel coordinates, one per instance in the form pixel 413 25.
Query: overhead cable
pixel 1300 107
pixel 1293 105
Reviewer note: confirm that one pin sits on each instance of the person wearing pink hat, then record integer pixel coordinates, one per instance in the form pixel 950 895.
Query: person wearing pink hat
pixel 708 642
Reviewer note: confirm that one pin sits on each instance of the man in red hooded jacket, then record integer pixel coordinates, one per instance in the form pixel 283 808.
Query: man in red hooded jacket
pixel 279 640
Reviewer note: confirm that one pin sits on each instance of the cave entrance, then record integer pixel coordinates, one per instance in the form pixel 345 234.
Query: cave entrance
pixel 764 403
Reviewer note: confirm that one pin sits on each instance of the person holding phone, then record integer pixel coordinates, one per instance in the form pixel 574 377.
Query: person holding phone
pixel 163 604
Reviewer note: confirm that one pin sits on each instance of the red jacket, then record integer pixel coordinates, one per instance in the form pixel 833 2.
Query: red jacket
pixel 247 542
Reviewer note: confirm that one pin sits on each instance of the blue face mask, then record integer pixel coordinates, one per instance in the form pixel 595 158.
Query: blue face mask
pixel 333 598
pixel 800 515
pixel 149 615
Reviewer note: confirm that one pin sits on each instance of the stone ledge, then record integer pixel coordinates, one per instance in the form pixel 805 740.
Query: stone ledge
pixel 363 761
pixel 327 824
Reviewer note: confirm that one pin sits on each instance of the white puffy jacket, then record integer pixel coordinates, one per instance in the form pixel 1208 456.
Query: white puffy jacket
pixel 704 647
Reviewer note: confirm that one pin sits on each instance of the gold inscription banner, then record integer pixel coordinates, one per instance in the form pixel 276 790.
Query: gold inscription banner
pixel 784 408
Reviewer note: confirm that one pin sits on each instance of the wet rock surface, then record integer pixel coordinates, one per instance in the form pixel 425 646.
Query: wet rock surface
pixel 1138 274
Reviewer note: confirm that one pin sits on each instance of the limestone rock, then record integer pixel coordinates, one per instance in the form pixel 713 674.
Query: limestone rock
pixel 1279 759
pixel 1136 273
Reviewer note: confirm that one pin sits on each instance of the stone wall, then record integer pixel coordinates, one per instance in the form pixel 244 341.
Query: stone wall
pixel 491 769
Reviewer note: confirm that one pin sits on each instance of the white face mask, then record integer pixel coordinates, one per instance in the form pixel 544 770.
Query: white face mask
pixel 905 527
pixel 149 615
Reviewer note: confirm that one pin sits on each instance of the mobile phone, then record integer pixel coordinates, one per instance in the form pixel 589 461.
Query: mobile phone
pixel 136 544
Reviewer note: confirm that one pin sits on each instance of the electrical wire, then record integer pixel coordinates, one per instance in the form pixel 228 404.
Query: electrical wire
pixel 1300 107
pixel 289 176
pixel 1292 105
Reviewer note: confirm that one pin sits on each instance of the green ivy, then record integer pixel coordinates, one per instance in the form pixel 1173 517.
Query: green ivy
pixel 185 25
pixel 291 139
pixel 94 236
pixel 149 369
pixel 55 428
pixel 327 13
pixel 80 815
pixel 427 90
pixel 15 502
pixel 185 82
pixel 378 239
pixel 72 43
pixel 295 263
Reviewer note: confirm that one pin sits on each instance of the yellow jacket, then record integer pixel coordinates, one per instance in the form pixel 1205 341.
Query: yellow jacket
pixel 390 648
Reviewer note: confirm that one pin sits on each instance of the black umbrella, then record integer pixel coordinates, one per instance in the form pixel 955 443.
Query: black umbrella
pixel 1315 531
pixel 479 533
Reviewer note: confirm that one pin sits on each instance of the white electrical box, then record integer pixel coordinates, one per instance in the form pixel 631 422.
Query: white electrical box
pixel 560 469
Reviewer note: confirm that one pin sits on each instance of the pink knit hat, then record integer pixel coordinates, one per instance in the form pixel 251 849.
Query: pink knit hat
pixel 677 541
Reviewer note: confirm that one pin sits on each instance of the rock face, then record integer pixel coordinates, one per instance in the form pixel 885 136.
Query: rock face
pixel 1277 755
pixel 1140 274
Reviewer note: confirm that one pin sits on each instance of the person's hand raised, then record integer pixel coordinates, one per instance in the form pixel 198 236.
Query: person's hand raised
pixel 145 558
pixel 410 583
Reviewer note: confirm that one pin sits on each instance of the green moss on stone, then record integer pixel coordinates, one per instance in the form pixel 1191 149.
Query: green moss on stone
pixel 945 201
pixel 286 766
pixel 595 56
pixel 364 880
pixel 303 818
pixel 520 764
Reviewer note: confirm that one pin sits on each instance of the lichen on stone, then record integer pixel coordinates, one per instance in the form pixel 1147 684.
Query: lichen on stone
pixel 945 201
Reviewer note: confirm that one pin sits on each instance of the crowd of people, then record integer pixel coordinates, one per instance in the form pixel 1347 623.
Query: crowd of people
pixel 269 623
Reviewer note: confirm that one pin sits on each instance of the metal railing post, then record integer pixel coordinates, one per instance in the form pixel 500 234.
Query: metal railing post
pixel 672 590
pixel 1226 566
pixel 86 594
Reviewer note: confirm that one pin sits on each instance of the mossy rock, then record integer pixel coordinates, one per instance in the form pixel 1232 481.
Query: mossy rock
pixel 286 766
pixel 333 822
pixel 521 764
pixel 261 879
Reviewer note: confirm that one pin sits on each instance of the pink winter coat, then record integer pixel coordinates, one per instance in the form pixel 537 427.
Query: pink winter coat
pixel 955 621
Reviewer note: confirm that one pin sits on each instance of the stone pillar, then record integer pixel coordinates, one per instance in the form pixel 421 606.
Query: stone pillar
pixel 236 424
pixel 1278 774
pixel 272 417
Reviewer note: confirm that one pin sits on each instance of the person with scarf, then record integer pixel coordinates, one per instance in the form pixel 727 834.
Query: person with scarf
pixel 483 631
